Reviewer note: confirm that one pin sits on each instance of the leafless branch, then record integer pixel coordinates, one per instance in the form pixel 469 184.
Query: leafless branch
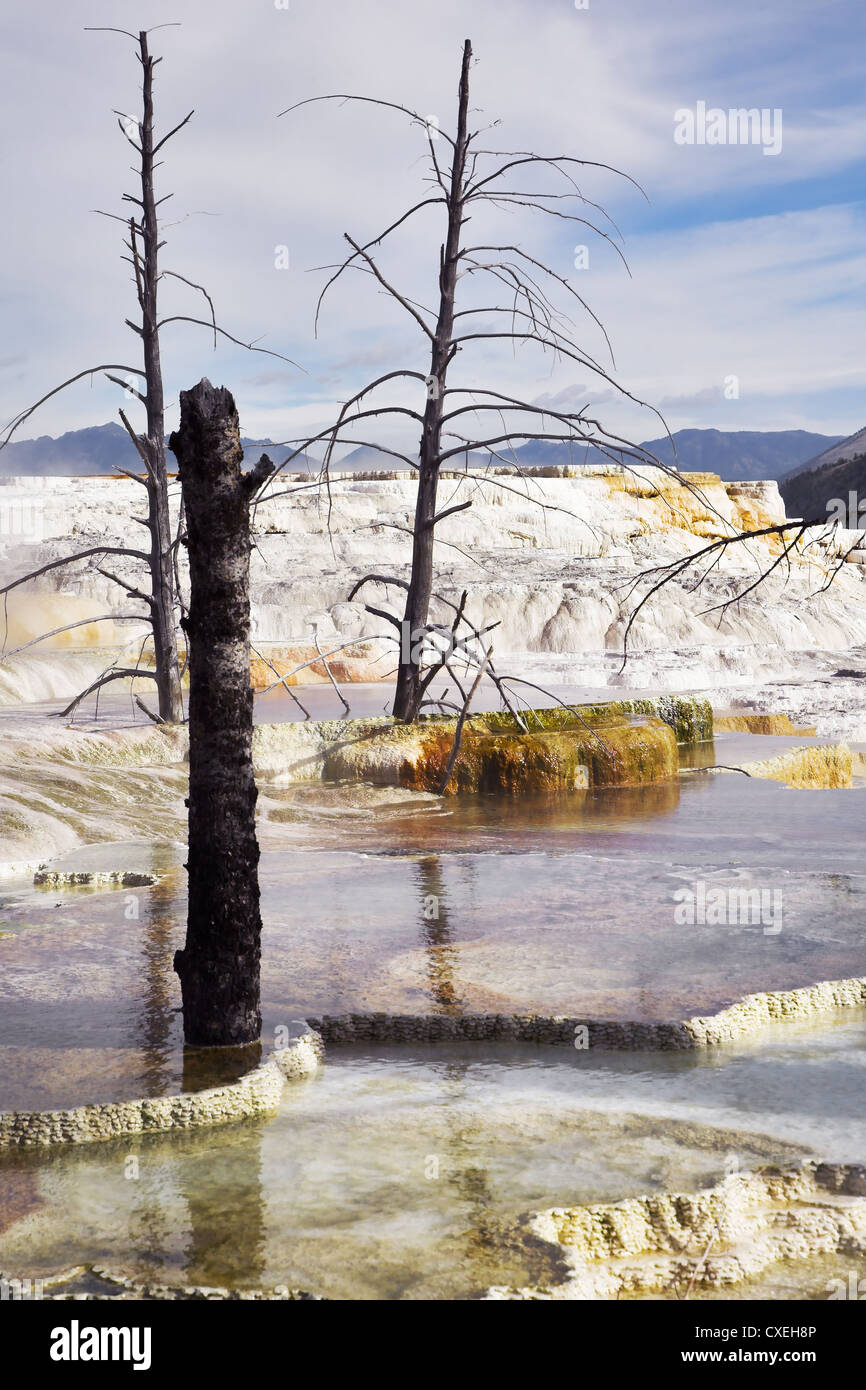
pixel 461 720
pixel 68 627
pixel 122 673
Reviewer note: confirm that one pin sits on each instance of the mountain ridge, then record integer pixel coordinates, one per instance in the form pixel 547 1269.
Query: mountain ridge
pixel 97 449
pixel 823 486
pixel 735 455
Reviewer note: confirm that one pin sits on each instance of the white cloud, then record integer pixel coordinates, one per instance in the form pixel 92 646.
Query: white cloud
pixel 776 300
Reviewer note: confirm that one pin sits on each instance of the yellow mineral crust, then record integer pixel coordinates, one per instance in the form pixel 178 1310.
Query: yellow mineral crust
pixel 822 767
pixel 715 1238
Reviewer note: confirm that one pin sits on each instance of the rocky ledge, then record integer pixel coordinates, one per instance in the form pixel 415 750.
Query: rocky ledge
pixel 613 744
pixel 256 1094
pixel 745 1018
pixel 717 1238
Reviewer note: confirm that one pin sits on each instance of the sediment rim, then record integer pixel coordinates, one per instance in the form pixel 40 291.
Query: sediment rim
pixel 126 1287
pixel 740 1020
pixel 258 1093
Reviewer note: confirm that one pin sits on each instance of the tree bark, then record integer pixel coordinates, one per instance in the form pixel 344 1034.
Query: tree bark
pixel 219 967
pixel 409 694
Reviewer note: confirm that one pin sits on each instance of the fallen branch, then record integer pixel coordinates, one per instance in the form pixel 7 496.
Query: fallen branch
pixel 281 681
pixel 124 673
pixel 157 719
pixel 340 696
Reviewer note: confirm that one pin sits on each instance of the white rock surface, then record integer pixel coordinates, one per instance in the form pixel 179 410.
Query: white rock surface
pixel 552 557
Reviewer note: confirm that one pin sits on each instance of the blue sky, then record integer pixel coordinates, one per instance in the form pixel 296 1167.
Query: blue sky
pixel 744 266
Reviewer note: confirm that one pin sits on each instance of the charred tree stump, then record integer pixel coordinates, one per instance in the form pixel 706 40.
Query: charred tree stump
pixel 219 967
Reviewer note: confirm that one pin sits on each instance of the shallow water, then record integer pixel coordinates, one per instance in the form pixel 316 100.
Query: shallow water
pixel 321 702
pixel 375 899
pixel 398 1173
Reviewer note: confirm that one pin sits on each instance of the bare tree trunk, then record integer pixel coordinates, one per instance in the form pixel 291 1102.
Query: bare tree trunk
pixel 161 571
pixel 409 694
pixel 219 965
pixel 143 243
pixel 497 420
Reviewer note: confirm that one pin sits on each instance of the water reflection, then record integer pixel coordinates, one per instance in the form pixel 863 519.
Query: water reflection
pixel 442 954
pixel 492 1246
pixel 181 1208
pixel 222 1187
pixel 160 998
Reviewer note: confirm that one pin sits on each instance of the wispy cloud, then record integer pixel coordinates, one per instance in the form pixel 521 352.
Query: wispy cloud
pixel 742 266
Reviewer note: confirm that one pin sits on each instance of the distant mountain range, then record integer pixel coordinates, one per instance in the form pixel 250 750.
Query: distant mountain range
pixel 733 454
pixel 810 490
pixel 741 455
pixel 103 449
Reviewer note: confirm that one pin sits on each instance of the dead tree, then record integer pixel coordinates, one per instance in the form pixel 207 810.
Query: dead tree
pixel 219 967
pixel 144 232
pixel 143 244
pixel 456 420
